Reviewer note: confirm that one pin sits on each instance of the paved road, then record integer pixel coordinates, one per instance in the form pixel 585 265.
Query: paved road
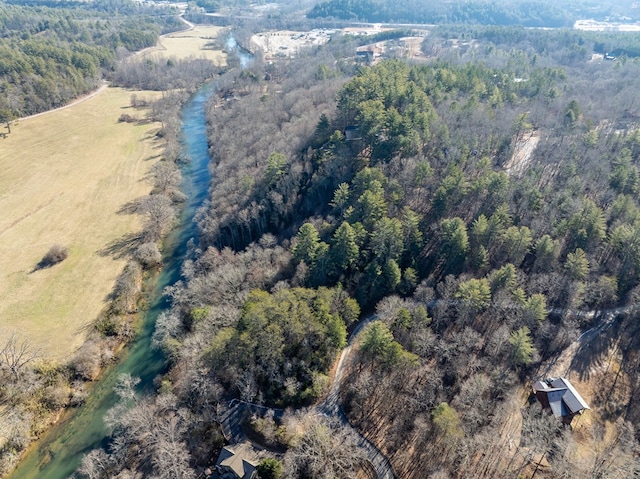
pixel 331 407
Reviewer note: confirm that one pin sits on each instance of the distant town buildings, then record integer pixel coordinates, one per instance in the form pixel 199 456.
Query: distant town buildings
pixel 596 26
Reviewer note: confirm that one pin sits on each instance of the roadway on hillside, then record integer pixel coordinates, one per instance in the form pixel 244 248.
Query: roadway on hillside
pixel 104 84
pixel 232 416
pixel 331 407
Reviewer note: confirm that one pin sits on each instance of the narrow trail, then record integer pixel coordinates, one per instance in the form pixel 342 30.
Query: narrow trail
pixel 159 46
pixel 104 84
pixel 78 100
pixel 561 365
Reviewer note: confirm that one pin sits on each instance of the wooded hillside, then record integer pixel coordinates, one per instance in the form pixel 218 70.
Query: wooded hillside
pixel 50 55
pixel 482 204
pixel 541 13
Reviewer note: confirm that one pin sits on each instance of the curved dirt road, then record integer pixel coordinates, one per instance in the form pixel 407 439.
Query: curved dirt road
pixel 331 407
pixel 100 89
pixel 105 83
pixel 232 416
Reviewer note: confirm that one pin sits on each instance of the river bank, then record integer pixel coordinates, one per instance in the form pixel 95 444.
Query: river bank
pixel 68 187
pixel 59 451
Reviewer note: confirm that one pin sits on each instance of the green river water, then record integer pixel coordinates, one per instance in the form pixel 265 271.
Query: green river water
pixel 58 453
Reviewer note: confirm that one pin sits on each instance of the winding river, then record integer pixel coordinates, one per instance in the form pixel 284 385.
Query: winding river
pixel 58 453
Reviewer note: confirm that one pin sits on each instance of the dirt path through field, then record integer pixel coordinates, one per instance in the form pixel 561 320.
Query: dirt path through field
pixel 78 100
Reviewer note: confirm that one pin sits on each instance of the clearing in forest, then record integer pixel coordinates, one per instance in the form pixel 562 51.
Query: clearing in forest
pixel 525 146
pixel 198 42
pixel 286 43
pixel 64 176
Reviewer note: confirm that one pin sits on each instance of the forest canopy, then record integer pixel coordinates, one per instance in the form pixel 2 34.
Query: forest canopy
pixel 479 206
pixel 414 195
pixel 285 343
pixel 50 55
pixel 542 13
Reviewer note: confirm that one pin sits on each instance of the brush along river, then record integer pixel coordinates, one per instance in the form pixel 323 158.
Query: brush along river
pixel 59 452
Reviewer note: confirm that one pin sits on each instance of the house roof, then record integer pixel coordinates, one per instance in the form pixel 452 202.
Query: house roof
pixel 237 461
pixel 563 398
pixel 571 398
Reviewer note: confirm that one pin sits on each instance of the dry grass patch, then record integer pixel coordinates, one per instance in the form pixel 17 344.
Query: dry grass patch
pixel 196 43
pixel 524 148
pixel 63 178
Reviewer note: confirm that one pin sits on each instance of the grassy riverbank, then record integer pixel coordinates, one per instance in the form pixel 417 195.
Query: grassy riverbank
pixel 65 176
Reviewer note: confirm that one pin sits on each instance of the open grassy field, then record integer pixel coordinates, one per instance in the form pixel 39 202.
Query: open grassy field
pixel 63 178
pixel 196 43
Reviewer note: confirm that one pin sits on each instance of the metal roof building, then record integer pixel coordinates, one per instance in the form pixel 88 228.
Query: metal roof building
pixel 560 396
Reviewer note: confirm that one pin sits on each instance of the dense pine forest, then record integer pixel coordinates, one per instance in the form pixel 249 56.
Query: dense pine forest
pixel 50 55
pixel 540 13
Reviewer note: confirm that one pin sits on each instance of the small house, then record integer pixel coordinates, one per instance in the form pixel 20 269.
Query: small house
pixel 365 56
pixel 238 462
pixel 352 133
pixel 559 395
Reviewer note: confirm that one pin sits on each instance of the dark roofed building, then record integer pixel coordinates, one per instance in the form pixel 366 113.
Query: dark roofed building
pixel 365 56
pixel 559 395
pixel 352 133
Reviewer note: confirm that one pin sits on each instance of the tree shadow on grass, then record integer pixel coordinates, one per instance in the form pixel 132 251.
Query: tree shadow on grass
pixel 131 207
pixel 594 352
pixel 56 254
pixel 153 157
pixel 617 385
pixel 42 264
pixel 122 247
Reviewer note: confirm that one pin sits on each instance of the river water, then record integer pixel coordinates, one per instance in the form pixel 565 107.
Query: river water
pixel 59 452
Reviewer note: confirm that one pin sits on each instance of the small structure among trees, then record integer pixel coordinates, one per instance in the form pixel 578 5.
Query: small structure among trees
pixel 559 395
pixel 237 463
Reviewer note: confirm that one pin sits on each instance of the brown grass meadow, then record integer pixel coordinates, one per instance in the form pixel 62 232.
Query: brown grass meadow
pixel 64 176
pixel 196 43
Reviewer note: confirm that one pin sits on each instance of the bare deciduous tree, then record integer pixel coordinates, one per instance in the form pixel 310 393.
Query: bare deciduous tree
pixel 15 355
pixel 94 465
pixel 170 454
pixel 125 292
pixel 148 255
pixel 166 177
pixel 14 429
pixel 159 214
pixel 619 456
pixel 125 387
pixel 246 384
pixel 324 450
